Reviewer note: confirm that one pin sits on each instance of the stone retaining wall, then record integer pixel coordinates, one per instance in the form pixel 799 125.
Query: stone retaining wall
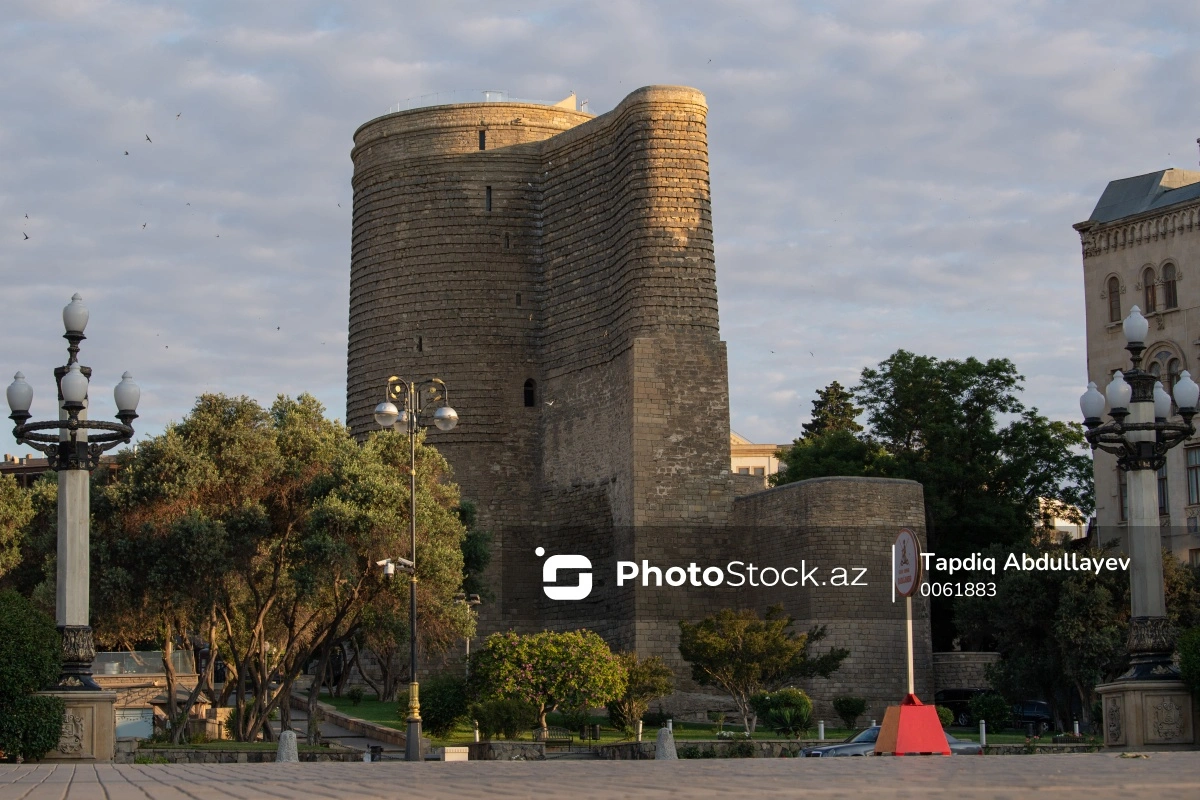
pixel 506 751
pixel 128 751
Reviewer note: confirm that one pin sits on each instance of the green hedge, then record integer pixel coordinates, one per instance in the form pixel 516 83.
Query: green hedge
pixel 31 726
pixel 1189 659
pixel 443 704
pixel 30 659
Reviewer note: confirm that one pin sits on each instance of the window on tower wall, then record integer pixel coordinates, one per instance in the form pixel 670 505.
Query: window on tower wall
pixel 1149 295
pixel 1114 299
pixel 530 393
pixel 1170 296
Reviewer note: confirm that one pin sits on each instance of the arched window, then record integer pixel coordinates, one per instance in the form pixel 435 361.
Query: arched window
pixel 1165 365
pixel 1114 299
pixel 1170 296
pixel 530 393
pixel 1148 291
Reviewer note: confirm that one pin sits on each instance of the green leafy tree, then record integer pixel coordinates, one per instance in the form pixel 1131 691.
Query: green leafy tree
pixel 745 654
pixel 787 712
pixel 990 467
pixel 259 530
pixel 443 704
pixel 648 680
pixel 548 670
pixel 833 410
pixel 30 659
pixel 16 511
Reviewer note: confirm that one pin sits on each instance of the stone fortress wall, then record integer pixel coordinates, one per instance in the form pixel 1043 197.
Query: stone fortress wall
pixel 499 243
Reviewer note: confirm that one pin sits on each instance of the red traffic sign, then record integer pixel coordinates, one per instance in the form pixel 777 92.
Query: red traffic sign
pixel 906 563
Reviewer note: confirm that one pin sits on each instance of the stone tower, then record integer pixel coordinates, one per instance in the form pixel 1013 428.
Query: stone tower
pixel 556 270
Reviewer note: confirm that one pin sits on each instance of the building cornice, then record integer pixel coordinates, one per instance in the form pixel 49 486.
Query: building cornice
pixel 1097 238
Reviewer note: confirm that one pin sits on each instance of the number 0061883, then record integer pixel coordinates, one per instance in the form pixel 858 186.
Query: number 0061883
pixel 958 590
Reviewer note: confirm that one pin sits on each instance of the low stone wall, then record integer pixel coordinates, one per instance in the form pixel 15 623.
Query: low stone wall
pixel 1040 749
pixel 725 748
pixel 129 751
pixel 625 751
pixel 361 726
pixel 506 751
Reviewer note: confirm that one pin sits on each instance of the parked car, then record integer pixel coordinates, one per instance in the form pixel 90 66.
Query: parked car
pixel 959 702
pixel 1036 712
pixel 862 743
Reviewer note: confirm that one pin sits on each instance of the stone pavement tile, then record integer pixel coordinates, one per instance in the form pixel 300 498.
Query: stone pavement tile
pixel 1086 777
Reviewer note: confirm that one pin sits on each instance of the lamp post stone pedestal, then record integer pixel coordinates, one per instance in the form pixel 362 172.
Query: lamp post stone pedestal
pixel 1148 707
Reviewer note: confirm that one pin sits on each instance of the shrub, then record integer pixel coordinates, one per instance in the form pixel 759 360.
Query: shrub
pixel 356 695
pixel 508 718
pixel 30 658
pixel 443 704
pixel 655 719
pixel 648 680
pixel 945 716
pixel 32 654
pixel 849 709
pixel 992 709
pixel 742 749
pixel 688 751
pixel 788 712
pixel 31 726
pixel 1189 659
pixel 576 718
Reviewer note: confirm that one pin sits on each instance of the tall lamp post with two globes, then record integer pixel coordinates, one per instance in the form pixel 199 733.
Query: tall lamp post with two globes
pixel 420 404
pixel 1139 433
pixel 73 454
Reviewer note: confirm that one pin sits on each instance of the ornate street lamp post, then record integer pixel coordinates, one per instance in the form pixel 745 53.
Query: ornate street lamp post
pixel 1139 434
pixel 421 403
pixel 72 454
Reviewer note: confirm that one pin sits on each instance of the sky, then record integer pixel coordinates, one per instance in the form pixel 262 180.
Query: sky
pixel 885 175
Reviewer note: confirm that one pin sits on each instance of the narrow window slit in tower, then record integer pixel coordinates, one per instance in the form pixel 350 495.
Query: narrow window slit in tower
pixel 487 203
pixel 518 298
pixel 507 243
pixel 420 344
pixel 483 140
pixel 530 393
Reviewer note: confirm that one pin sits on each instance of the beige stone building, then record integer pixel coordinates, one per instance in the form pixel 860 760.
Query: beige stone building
pixel 748 458
pixel 1140 245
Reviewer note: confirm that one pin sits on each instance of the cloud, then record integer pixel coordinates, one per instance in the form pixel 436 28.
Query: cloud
pixel 889 175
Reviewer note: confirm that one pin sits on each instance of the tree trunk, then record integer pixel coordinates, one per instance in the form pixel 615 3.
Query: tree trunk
pixel 314 694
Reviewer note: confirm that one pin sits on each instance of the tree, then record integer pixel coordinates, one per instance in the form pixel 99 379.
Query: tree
pixel 745 654
pixel 549 670
pixel 259 529
pixel 16 511
pixel 648 679
pixel 832 411
pixel 989 466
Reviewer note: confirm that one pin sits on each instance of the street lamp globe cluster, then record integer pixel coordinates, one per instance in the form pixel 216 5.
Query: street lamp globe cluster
pixel 410 406
pixel 1139 433
pixel 73 454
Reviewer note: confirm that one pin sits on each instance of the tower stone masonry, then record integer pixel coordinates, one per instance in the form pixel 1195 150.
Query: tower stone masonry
pixel 556 270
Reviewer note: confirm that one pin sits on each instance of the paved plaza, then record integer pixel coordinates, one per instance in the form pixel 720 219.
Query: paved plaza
pixel 1093 776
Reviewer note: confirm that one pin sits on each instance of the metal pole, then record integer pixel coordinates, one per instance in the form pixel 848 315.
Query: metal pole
pixel 412 742
pixel 908 609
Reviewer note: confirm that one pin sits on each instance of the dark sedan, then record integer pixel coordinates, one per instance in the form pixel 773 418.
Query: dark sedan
pixel 862 743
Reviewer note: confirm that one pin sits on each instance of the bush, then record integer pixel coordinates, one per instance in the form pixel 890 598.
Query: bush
pixel 443 704
pixel 647 680
pixel 356 695
pixel 1189 659
pixel 32 653
pixel 945 716
pixel 576 718
pixel 31 726
pixel 742 749
pixel 992 709
pixel 507 718
pixel 849 709
pixel 655 719
pixel 788 712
